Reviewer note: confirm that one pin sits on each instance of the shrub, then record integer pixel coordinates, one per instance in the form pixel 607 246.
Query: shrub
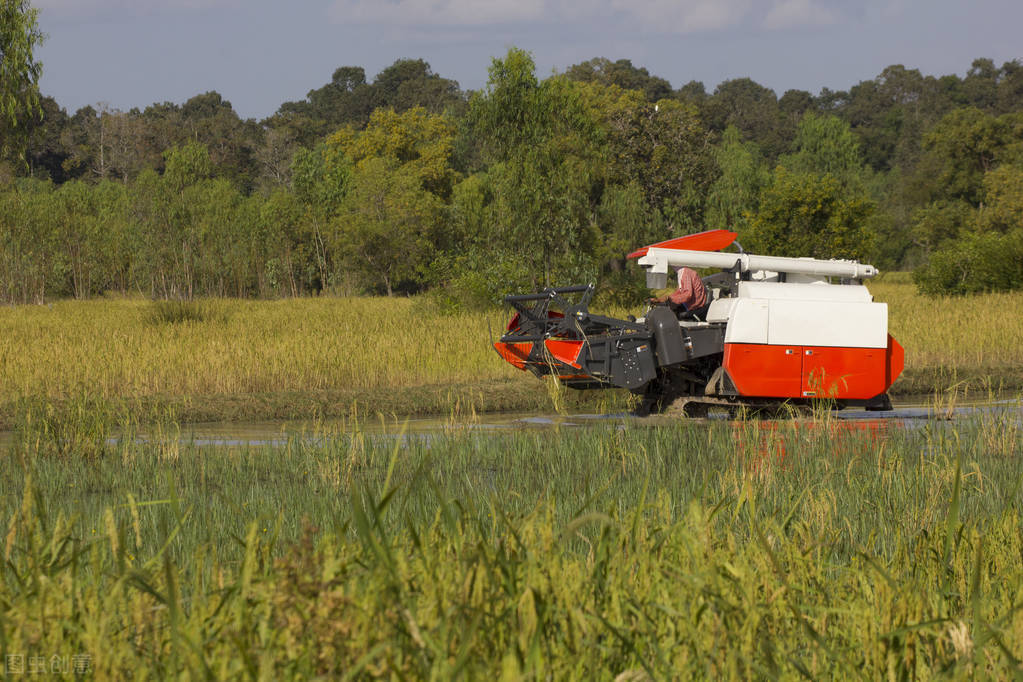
pixel 974 263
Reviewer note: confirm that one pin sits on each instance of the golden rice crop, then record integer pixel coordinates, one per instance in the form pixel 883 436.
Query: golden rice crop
pixel 966 333
pixel 117 348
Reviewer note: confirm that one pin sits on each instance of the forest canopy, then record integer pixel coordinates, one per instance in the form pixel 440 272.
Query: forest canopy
pixel 406 183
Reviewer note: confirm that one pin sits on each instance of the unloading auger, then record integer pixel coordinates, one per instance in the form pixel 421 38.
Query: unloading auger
pixel 777 330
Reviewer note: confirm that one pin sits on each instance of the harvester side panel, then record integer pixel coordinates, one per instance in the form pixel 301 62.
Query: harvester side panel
pixel 843 373
pixel 828 323
pixel 807 341
pixel 779 371
pixel 625 361
pixel 792 291
pixel 760 370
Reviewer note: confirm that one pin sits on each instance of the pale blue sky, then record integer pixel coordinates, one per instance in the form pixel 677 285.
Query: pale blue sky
pixel 260 53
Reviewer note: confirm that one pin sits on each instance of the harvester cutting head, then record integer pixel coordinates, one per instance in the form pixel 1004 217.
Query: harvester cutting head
pixel 547 333
pixel 776 329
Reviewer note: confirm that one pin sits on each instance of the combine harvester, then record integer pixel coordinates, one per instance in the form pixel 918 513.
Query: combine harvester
pixel 778 331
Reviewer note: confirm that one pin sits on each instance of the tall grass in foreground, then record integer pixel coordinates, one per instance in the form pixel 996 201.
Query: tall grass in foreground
pixel 764 549
pixel 373 346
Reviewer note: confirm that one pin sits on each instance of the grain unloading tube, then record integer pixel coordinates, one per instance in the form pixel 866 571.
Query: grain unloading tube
pixel 657 261
pixel 777 330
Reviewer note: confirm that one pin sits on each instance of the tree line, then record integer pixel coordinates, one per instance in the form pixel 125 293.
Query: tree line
pixel 407 183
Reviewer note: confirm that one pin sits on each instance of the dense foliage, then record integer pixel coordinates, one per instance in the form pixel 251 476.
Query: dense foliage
pixel 406 183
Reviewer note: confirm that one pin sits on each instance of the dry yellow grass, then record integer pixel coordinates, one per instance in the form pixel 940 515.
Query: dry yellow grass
pixel 114 348
pixel 967 334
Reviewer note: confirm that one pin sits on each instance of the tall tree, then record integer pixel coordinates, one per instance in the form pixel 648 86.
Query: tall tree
pixel 320 179
pixel 274 157
pixel 420 142
pixel 389 224
pixel 967 143
pixel 401 167
pixel 211 120
pixel 540 142
pixel 348 99
pixel 824 145
pixel 621 73
pixel 44 152
pixel 752 109
pixel 19 71
pixel 735 195
pixel 666 150
pixel 803 214
pixel 410 83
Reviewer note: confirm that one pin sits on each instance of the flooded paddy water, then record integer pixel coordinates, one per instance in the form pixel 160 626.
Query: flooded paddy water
pixel 908 413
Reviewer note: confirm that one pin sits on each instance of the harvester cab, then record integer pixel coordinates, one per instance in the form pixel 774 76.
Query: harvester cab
pixel 777 330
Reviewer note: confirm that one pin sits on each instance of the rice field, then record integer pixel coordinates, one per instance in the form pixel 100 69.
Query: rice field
pixel 966 334
pixel 622 551
pixel 232 359
pixel 618 552
pixel 135 347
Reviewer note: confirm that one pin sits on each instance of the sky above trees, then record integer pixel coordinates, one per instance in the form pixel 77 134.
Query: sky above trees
pixel 260 53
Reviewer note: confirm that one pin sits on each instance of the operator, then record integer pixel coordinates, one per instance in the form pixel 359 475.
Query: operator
pixel 690 299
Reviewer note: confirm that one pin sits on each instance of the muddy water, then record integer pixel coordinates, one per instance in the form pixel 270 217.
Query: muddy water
pixel 910 413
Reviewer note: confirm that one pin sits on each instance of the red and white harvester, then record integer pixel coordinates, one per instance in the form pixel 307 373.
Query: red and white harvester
pixel 777 330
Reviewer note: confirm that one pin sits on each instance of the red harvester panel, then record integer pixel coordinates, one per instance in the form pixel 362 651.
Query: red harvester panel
pixel 710 240
pixel 895 358
pixel 515 353
pixel 565 351
pixel 764 371
pixel 853 373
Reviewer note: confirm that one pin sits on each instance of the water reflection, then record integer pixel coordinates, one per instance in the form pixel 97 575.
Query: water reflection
pixel 275 433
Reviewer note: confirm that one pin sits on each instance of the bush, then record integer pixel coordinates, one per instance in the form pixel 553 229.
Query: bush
pixel 974 263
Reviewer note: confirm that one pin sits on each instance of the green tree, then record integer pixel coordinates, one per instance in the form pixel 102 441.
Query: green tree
pixel 735 195
pixel 388 225
pixel 1002 207
pixel 320 176
pixel 540 141
pixel 626 222
pixel 939 222
pixel 824 145
pixel 180 216
pixel 803 214
pixel 187 165
pixel 286 259
pixel 211 120
pixel 321 180
pixel 44 152
pixel 966 144
pixel 80 234
pixel 974 263
pixel 31 266
pixel 752 109
pixel 274 156
pixel 1010 86
pixel 622 74
pixel 980 87
pixel 666 150
pixel 19 72
pixel 422 143
pixel 411 83
pixel 693 92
